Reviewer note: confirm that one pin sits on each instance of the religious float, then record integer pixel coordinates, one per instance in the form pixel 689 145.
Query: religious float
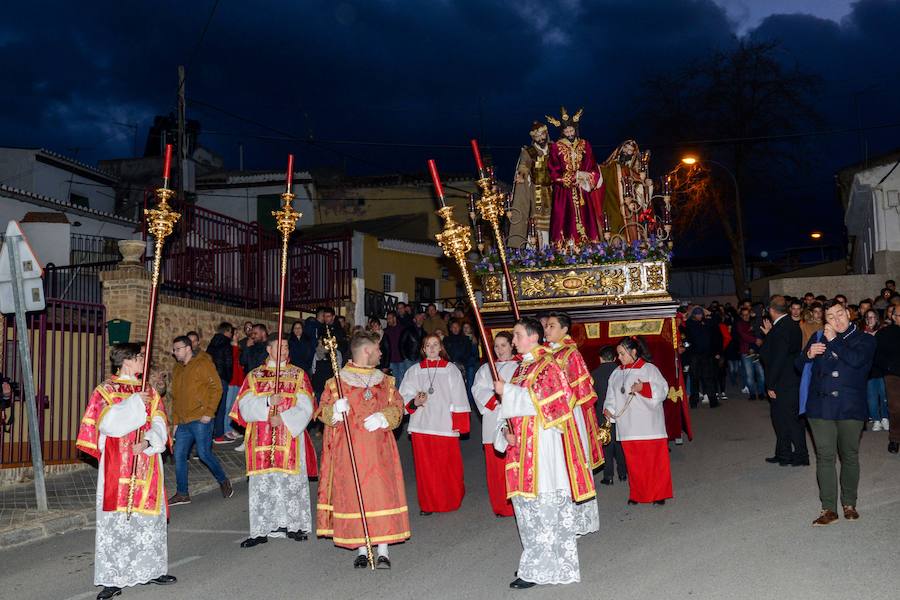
pixel 592 239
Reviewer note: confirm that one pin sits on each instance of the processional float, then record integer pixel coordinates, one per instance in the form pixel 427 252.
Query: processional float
pixel 612 287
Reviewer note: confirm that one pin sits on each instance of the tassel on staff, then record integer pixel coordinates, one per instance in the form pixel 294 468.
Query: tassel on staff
pixel 160 223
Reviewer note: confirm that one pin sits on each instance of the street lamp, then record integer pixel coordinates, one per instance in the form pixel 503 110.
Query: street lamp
pixel 816 235
pixel 693 160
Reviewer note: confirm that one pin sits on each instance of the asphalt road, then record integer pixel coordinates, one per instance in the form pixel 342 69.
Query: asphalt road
pixel 737 528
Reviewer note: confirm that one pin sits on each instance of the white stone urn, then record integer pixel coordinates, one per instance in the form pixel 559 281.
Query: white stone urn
pixel 131 251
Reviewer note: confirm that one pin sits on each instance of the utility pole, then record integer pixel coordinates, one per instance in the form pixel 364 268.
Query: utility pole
pixel 181 137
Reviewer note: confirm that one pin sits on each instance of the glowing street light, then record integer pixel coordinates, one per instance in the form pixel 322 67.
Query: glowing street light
pixel 816 235
pixel 689 160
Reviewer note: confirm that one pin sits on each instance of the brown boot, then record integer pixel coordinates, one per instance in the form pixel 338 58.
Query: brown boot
pixel 827 517
pixel 850 513
pixel 227 490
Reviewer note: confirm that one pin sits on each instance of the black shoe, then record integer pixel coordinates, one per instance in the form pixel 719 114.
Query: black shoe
pixel 632 502
pixel 256 541
pixel 623 477
pixel 109 592
pixel 383 562
pixel 360 562
pixel 424 513
pixel 659 502
pixel 775 460
pixel 893 447
pixel 299 536
pixel 227 490
pixel 800 462
pixel 606 481
pixel 521 584
pixel 162 580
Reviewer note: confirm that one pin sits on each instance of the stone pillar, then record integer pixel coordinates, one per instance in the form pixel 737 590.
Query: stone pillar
pixel 126 295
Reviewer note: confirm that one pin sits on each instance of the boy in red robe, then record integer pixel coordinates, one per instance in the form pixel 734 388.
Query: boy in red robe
pixel 371 408
pixel 130 549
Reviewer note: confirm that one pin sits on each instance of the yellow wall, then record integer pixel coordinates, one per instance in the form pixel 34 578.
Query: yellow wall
pixel 405 267
pixel 338 205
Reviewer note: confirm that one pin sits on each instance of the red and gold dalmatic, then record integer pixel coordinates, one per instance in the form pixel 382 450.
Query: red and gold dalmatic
pixel 553 400
pixel 381 477
pixel 572 363
pixel 149 494
pixel 258 436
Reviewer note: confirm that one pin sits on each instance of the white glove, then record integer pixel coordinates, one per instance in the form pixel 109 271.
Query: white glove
pixel 500 442
pixel 375 421
pixel 341 406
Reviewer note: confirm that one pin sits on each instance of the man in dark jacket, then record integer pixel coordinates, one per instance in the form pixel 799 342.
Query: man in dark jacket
pixel 702 335
pixel 411 340
pixel 887 358
pixel 254 353
pixel 219 349
pixel 836 407
pixel 779 350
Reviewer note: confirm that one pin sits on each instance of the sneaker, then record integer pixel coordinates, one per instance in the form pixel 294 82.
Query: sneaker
pixel 876 425
pixel 745 390
pixel 233 435
pixel 240 448
pixel 723 396
pixel 705 400
pixel 179 499
pixel 220 440
pixel 886 424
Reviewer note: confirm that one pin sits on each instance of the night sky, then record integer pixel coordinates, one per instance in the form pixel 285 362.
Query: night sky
pixel 407 80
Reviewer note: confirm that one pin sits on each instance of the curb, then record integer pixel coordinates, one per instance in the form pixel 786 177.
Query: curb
pixel 60 522
pixel 44 528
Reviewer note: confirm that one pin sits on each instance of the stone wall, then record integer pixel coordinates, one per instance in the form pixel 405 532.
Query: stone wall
pixel 126 294
pixel 855 287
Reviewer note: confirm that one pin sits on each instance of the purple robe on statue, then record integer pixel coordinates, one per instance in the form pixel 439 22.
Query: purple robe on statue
pixel 575 213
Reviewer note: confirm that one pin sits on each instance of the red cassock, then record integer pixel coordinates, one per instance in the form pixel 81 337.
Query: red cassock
pixel 575 213
pixel 117 455
pixel 259 435
pixel 434 429
pixel 572 363
pixel 381 477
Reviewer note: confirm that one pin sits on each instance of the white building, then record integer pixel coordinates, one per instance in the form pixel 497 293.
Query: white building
pixel 46 173
pixel 65 206
pixel 873 220
pixel 250 196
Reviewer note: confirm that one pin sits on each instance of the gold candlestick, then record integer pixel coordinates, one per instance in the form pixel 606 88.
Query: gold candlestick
pixel 286 221
pixel 160 223
pixel 492 207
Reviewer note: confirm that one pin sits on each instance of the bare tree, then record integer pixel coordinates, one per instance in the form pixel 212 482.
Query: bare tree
pixel 739 106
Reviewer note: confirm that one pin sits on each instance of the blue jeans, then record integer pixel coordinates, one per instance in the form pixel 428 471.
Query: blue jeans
pixel 753 376
pixel 399 370
pixel 221 416
pixel 877 397
pixel 230 397
pixel 186 436
pixel 735 372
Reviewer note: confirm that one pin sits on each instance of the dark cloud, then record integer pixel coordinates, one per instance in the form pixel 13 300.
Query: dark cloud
pixel 432 72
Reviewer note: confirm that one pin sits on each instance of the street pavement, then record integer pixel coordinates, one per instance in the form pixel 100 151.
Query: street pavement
pixel 738 528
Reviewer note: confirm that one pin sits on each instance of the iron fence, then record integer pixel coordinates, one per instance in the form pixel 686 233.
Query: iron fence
pixel 79 283
pixel 378 304
pixel 68 352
